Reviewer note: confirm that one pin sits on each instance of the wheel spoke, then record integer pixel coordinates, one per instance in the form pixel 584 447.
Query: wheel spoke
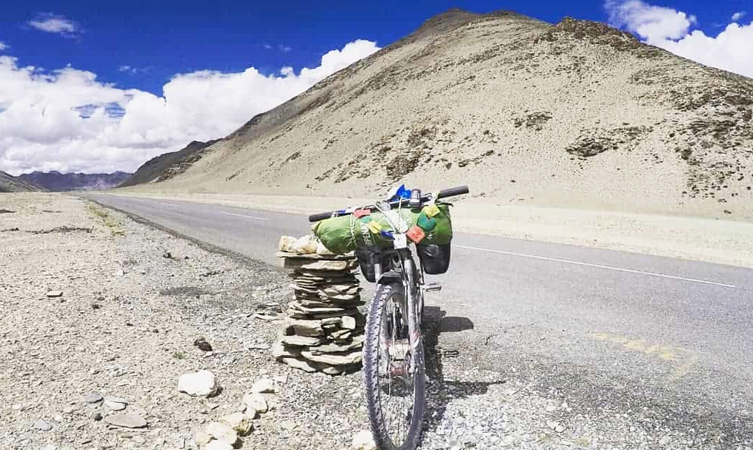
pixel 393 391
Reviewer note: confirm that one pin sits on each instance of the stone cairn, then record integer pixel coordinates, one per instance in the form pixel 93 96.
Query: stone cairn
pixel 323 330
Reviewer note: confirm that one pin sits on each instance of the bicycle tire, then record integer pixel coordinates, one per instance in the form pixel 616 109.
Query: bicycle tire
pixel 384 294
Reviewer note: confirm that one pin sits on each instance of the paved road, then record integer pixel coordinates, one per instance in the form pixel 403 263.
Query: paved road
pixel 608 329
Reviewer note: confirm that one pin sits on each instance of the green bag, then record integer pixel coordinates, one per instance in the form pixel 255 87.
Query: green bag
pixel 343 234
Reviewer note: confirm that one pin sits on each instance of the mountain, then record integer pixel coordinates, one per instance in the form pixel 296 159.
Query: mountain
pixel 9 183
pixel 576 114
pixel 168 165
pixel 58 182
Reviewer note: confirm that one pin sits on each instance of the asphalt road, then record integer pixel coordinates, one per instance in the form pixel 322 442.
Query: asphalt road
pixel 610 331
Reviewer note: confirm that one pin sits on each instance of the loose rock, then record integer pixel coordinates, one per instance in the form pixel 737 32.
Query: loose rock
pixel 199 384
pixel 126 420
pixel 264 385
pixel 54 294
pixel 42 425
pixel 203 345
pixel 363 440
pixel 115 406
pixel 222 432
pixel 218 445
pixel 239 422
pixel 202 438
pixel 256 402
pixel 93 397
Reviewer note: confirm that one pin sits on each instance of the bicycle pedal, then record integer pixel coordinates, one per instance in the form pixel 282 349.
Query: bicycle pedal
pixel 432 287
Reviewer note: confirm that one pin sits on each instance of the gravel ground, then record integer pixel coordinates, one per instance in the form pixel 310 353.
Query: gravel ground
pixel 134 299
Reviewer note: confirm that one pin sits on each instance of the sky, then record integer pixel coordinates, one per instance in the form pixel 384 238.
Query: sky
pixel 91 86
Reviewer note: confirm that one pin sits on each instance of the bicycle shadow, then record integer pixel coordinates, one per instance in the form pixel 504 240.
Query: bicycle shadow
pixel 441 392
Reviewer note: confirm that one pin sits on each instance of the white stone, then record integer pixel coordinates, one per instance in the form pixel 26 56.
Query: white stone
pixel 202 438
pixel 42 425
pixel 126 420
pixel 115 406
pixel 93 397
pixel 349 323
pixel 199 384
pixel 256 402
pixel 264 385
pixel 363 440
pixel 218 445
pixel 222 432
pixel 53 294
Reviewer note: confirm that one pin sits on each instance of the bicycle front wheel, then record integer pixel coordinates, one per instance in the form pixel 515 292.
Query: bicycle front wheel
pixel 394 373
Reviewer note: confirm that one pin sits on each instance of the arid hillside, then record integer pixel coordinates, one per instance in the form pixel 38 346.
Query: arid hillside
pixel 570 115
pixel 9 183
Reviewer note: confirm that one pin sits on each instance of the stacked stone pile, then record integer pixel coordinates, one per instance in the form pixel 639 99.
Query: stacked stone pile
pixel 323 330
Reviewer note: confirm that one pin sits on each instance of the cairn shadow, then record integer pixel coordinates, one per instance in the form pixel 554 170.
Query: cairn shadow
pixel 441 392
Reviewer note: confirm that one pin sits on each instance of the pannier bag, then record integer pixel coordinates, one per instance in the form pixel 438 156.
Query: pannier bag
pixel 367 257
pixel 346 233
pixel 435 258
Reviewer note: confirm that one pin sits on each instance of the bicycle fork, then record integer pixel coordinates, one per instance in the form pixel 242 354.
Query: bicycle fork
pixel 411 298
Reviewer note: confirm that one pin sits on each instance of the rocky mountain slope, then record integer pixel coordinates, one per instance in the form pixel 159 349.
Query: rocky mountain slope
pixel 166 166
pixel 58 182
pixel 9 183
pixel 576 114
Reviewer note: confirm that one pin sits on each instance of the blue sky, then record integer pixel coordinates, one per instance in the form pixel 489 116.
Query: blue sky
pixel 158 39
pixel 103 86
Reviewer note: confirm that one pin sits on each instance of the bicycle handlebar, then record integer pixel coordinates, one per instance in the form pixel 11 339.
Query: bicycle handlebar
pixel 451 192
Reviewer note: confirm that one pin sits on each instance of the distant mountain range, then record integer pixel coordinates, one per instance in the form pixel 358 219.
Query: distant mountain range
pixel 57 182
pixel 9 183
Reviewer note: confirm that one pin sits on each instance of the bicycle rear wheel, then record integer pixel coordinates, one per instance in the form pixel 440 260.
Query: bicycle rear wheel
pixel 394 373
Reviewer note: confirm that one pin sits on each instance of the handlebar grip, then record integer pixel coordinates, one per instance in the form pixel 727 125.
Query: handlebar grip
pixel 451 192
pixel 320 216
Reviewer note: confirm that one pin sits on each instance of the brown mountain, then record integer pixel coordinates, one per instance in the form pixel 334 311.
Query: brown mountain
pixel 59 182
pixel 9 183
pixel 576 114
pixel 168 165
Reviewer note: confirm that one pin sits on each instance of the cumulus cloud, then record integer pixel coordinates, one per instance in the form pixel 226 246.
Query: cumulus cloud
pixel 68 120
pixel 3 46
pixel 54 23
pixel 738 15
pixel 672 30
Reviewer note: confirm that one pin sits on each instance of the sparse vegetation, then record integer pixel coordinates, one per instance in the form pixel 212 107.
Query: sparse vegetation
pixel 106 219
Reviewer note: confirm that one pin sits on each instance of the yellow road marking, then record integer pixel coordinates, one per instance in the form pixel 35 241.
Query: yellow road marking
pixel 682 359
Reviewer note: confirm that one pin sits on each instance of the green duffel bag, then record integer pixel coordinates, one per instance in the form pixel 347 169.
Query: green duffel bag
pixel 343 234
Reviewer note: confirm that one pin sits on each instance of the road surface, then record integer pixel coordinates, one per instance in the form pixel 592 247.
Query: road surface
pixel 611 331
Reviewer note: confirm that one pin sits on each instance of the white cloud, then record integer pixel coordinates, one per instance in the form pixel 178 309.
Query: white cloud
pixel 53 23
pixel 285 48
pixel 3 46
pixel 738 15
pixel 671 30
pixel 655 24
pixel 132 70
pixel 67 120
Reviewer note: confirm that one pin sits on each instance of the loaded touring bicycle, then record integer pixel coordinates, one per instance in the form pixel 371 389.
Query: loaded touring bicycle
pixel 384 236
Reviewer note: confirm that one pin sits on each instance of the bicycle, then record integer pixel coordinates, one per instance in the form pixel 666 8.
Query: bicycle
pixel 394 365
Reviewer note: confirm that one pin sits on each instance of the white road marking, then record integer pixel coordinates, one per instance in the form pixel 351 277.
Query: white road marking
pixel 243 215
pixel 599 266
